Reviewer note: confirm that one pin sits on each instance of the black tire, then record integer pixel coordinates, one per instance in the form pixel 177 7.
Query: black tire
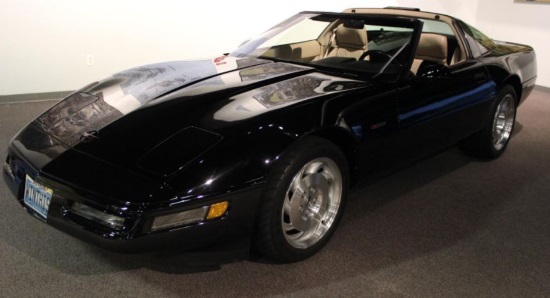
pixel 491 141
pixel 284 230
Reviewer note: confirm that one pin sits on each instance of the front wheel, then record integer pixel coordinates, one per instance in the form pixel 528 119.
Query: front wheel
pixel 492 140
pixel 303 202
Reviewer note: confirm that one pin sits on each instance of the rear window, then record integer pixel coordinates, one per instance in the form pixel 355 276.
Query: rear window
pixel 437 27
pixel 479 43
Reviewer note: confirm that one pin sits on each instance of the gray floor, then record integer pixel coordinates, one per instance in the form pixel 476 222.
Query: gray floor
pixel 448 226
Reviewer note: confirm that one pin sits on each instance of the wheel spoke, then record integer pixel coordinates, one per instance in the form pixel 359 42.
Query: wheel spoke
pixel 297 203
pixel 316 227
pixel 287 207
pixel 296 181
pixel 316 181
pixel 287 227
pixel 313 167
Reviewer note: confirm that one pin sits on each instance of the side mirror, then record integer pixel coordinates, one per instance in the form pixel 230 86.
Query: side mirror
pixel 436 71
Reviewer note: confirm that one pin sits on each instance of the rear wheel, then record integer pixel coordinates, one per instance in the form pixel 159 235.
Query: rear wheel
pixel 492 140
pixel 304 201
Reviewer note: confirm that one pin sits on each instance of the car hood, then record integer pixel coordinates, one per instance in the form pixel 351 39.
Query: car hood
pixel 134 115
pixel 101 103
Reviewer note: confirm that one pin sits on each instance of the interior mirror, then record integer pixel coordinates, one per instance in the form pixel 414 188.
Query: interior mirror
pixel 435 71
pixel 354 24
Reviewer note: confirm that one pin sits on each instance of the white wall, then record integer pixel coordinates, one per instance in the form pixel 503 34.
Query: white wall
pixel 44 43
pixel 527 23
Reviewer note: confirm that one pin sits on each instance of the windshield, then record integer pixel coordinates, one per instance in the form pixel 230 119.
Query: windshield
pixel 361 44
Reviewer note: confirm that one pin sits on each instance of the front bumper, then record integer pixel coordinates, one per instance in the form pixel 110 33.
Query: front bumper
pixel 230 232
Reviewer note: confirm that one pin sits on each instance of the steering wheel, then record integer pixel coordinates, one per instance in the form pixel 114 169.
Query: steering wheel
pixel 373 53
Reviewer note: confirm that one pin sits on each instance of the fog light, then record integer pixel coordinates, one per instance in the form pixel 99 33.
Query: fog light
pixel 109 220
pixel 217 210
pixel 179 219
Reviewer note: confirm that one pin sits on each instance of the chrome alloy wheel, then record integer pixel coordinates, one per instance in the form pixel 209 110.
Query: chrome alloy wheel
pixel 311 203
pixel 503 123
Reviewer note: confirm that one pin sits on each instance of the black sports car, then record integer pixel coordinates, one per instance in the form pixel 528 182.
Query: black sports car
pixel 259 147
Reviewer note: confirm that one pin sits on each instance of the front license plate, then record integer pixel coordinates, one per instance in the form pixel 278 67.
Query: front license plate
pixel 37 197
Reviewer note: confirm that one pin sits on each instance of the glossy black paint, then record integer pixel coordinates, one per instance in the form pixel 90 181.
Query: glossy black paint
pixel 187 134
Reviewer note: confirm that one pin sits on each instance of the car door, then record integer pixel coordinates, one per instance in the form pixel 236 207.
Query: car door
pixel 443 104
pixel 373 115
pixel 436 112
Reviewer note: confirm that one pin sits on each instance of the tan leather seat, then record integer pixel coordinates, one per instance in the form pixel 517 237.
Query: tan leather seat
pixel 432 49
pixel 348 42
pixel 457 56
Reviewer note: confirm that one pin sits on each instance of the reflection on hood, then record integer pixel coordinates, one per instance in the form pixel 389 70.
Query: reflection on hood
pixel 282 94
pixel 79 113
pixel 150 81
pixel 130 89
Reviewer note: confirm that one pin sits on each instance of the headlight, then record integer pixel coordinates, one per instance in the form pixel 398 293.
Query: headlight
pixel 187 217
pixel 109 220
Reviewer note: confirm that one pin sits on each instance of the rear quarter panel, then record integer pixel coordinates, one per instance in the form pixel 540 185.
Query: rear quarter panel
pixel 513 64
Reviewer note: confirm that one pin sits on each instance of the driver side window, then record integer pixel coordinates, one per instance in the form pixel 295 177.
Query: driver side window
pixel 388 40
pixel 437 45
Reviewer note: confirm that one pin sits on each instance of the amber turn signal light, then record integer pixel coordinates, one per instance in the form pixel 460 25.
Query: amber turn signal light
pixel 217 210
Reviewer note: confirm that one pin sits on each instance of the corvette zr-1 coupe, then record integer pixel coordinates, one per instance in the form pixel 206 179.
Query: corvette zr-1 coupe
pixel 259 147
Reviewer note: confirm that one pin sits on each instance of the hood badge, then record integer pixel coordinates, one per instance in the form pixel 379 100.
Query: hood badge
pixel 89 136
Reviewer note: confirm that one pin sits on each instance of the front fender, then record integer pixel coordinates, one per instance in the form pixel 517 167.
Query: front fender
pixel 231 165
